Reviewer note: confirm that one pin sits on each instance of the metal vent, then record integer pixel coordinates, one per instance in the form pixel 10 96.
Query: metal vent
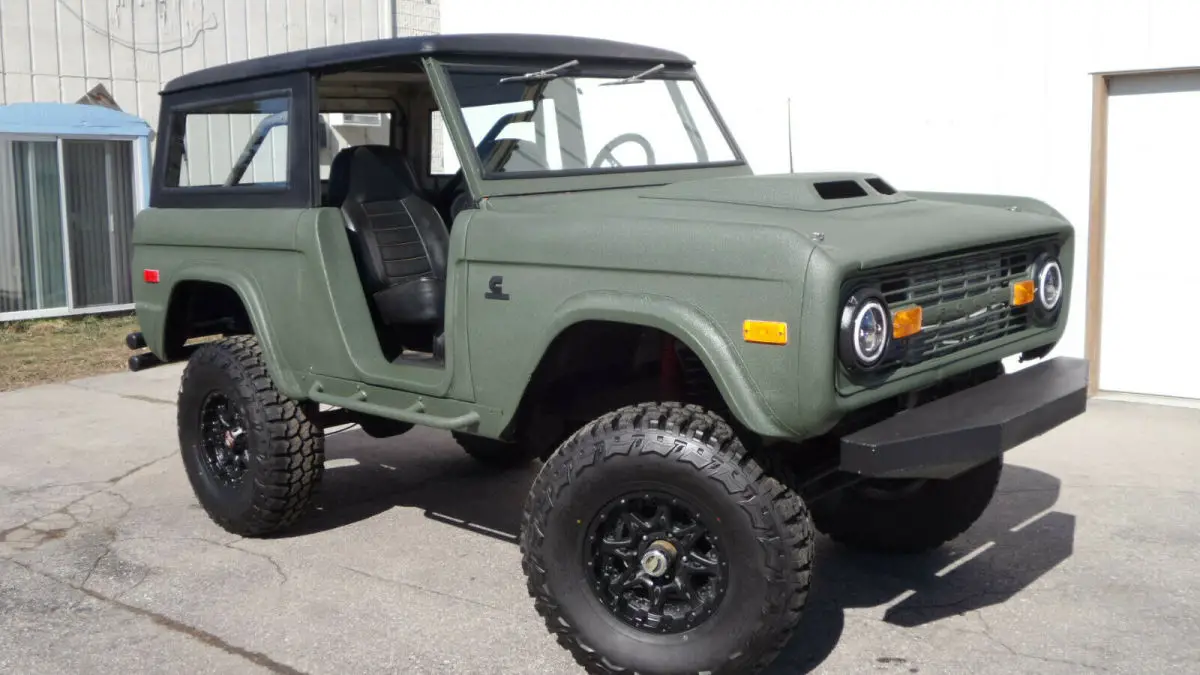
pixel 839 189
pixel 881 186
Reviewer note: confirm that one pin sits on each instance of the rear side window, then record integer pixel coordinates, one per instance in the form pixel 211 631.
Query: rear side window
pixel 233 144
pixel 245 144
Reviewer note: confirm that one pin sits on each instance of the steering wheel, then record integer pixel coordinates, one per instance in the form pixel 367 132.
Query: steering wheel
pixel 452 192
pixel 606 153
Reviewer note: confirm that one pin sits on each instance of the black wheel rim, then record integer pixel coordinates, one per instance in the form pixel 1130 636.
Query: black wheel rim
pixel 655 563
pixel 223 442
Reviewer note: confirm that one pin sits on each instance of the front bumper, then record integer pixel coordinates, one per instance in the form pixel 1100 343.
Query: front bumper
pixel 953 434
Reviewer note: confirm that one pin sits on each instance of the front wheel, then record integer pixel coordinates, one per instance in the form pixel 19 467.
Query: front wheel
pixel 654 542
pixel 907 515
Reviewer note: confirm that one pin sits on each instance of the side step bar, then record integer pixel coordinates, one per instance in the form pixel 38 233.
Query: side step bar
pixel 413 414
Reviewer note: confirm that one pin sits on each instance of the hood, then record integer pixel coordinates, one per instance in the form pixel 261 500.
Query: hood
pixel 809 192
pixel 857 219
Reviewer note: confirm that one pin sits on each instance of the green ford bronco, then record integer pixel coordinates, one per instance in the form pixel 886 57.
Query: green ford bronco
pixel 554 249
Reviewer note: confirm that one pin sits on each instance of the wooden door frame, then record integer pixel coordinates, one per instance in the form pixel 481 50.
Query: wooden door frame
pixel 1102 83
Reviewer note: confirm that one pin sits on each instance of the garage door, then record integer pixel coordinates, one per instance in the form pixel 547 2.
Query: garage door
pixel 1150 323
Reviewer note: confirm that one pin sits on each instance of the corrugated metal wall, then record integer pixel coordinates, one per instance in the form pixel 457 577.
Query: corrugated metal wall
pixel 58 50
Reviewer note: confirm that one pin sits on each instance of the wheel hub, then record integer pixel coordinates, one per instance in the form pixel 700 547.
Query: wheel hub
pixel 658 559
pixel 222 438
pixel 655 564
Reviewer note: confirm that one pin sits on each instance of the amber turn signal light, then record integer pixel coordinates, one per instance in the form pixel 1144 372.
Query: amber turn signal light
pixel 1023 293
pixel 765 332
pixel 906 322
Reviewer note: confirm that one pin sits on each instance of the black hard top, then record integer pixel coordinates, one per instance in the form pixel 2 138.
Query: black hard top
pixel 471 44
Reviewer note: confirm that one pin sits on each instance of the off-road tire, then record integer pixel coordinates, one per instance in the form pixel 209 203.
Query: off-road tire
pixel 286 446
pixel 495 454
pixel 762 521
pixel 928 517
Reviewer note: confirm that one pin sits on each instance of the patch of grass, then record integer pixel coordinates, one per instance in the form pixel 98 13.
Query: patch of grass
pixel 54 350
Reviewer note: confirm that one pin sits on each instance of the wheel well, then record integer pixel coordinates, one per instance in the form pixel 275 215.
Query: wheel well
pixel 200 309
pixel 594 367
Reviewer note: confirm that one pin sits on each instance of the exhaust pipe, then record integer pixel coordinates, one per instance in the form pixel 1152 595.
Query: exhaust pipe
pixel 136 341
pixel 149 360
pixel 143 361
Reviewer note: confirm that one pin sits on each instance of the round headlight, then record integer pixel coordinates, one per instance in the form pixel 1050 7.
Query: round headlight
pixel 1049 284
pixel 864 331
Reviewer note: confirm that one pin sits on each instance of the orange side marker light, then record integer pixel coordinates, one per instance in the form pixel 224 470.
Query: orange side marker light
pixel 1022 293
pixel 907 322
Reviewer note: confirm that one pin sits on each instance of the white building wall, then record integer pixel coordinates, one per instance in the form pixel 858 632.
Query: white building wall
pixel 57 50
pixel 967 95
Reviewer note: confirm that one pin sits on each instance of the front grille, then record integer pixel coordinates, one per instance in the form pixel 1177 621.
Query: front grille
pixel 965 298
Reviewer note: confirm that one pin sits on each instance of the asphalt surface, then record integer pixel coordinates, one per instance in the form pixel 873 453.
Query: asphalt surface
pixel 1088 560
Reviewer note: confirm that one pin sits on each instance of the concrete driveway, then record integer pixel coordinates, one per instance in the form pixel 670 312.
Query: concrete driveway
pixel 1089 559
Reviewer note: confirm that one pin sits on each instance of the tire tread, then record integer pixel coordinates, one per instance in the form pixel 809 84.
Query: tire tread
pixel 293 459
pixel 783 524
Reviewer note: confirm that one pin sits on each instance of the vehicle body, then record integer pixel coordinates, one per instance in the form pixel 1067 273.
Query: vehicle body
pixel 569 282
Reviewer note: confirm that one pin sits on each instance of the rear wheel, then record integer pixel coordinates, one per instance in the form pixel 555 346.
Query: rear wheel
pixel 253 456
pixel 907 515
pixel 654 542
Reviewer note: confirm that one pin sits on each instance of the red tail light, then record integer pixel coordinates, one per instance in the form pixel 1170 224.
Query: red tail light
pixel 150 276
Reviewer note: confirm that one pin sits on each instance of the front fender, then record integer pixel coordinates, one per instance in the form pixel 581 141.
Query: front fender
pixel 690 325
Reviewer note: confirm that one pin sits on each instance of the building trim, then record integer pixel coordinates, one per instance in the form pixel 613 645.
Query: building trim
pixel 1147 71
pixel 59 312
pixel 1102 91
pixel 1096 206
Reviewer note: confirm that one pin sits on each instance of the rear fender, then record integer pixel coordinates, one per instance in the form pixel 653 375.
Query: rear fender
pixel 251 295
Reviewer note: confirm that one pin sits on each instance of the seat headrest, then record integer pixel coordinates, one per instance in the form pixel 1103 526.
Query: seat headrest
pixel 369 173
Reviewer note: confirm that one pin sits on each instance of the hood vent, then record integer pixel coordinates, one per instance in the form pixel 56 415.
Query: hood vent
pixel 839 189
pixel 881 186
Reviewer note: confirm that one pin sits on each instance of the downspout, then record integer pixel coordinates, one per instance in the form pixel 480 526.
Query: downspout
pixel 388 9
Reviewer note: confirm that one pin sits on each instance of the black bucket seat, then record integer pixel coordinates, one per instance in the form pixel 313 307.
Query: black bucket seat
pixel 399 239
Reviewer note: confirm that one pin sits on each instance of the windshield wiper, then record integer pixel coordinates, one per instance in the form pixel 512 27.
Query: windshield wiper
pixel 547 74
pixel 636 79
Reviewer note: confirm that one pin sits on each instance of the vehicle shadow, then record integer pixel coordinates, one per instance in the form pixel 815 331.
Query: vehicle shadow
pixel 1019 538
pixel 422 469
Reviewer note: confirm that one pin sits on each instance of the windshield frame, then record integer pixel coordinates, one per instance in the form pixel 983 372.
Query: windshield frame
pixel 531 182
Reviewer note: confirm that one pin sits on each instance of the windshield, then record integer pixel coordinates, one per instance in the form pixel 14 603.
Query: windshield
pixel 574 124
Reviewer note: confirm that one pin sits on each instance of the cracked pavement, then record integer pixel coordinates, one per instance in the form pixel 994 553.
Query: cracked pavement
pixel 1085 562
